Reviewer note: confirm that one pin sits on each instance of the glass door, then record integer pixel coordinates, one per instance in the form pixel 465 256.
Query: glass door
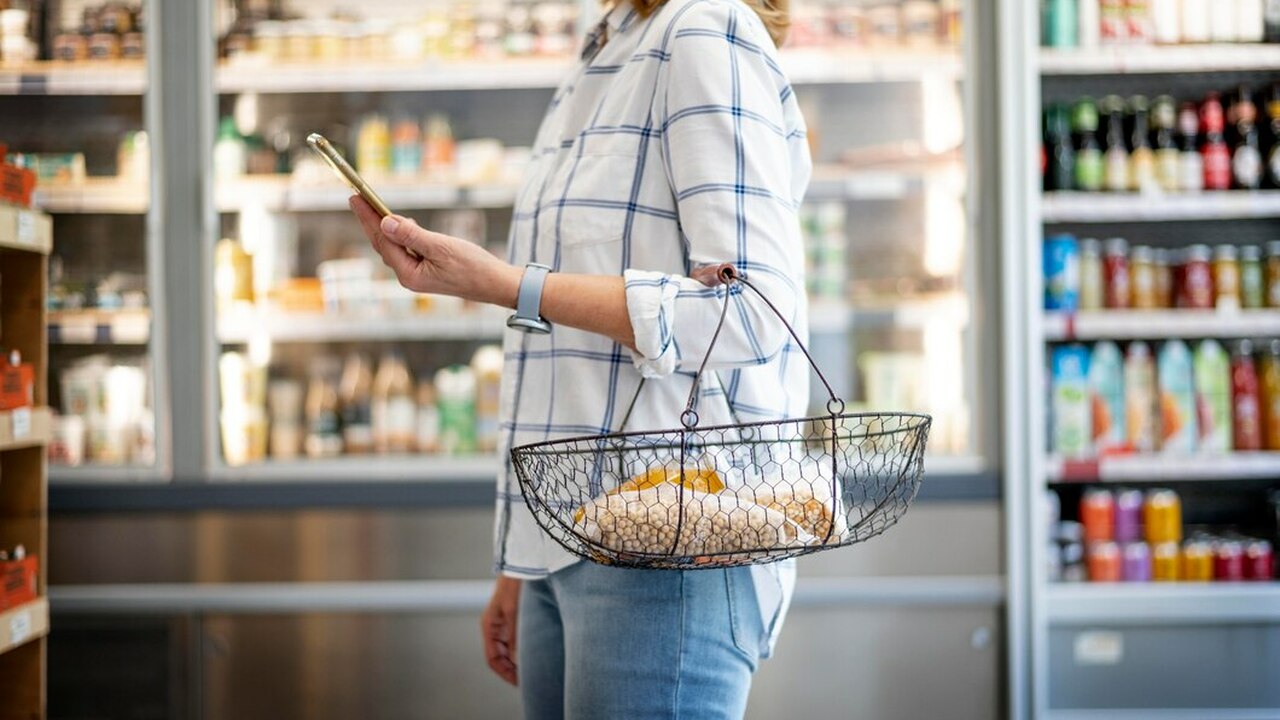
pixel 74 108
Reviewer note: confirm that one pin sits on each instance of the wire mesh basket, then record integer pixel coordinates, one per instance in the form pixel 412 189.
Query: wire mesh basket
pixel 741 494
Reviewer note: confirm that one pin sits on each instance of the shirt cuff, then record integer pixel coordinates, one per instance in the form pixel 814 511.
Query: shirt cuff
pixel 651 302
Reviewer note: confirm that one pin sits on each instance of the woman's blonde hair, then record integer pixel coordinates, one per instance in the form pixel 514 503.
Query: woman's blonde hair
pixel 776 14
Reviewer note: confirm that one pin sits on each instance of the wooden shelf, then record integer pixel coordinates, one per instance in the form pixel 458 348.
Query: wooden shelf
pixel 99 327
pixel 23 624
pixel 95 195
pixel 25 427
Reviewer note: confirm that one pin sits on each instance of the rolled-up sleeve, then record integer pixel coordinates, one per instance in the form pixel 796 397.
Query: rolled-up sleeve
pixel 738 164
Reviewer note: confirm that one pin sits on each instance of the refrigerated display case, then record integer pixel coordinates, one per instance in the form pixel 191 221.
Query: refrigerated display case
pixel 1142 505
pixel 437 104
pixel 75 107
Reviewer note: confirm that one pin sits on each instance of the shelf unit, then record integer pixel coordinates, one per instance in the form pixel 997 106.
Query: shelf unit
pixel 1160 324
pixel 99 327
pixel 1078 207
pixel 472 324
pixel 59 78
pixel 24 491
pixel 1163 627
pixel 1160 59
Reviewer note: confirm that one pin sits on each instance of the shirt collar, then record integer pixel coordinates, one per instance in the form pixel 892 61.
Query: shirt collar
pixel 620 16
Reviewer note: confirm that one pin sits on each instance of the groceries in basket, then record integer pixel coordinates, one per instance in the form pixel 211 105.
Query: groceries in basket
pixel 689 512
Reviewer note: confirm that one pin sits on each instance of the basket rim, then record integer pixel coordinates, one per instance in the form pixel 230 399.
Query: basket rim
pixel 925 420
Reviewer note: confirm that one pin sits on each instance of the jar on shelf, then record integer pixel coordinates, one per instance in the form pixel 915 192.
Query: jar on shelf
pixel 1226 278
pixel 1092 276
pixel 1252 278
pixel 1196 291
pixel 1273 274
pixel 1163 269
pixel 1142 275
pixel 1116 268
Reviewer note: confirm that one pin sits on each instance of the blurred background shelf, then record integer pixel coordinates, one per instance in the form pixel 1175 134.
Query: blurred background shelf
pixel 1160 324
pixel 477 324
pixel 1165 468
pixel 98 474
pixel 1078 207
pixel 1160 59
pixel 1163 603
pixel 368 468
pixel 23 624
pixel 99 327
pixel 24 427
pixel 60 78
pixel 803 67
pixel 98 195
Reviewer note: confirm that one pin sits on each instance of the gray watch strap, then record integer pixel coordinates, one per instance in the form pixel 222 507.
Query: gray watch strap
pixel 528 315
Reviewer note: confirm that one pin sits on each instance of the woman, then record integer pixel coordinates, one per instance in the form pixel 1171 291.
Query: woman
pixel 676 145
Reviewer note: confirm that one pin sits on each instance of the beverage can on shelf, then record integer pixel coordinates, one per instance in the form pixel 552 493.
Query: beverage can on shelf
pixel 1062 273
pixel 1128 515
pixel 1252 279
pixel 1072 417
pixel 1228 561
pixel 1107 398
pixel 1196 290
pixel 1060 24
pixel 1140 397
pixel 1213 396
pixel 1165 562
pixel 1135 563
pixel 1103 562
pixel 1092 275
pixel 1258 560
pixel 1179 429
pixel 1098 515
pixel 1226 278
pixel 1197 561
pixel 1162 517
pixel 1116 270
pixel 1142 277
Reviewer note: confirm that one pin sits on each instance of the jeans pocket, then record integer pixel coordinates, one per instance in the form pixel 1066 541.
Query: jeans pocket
pixel 744 614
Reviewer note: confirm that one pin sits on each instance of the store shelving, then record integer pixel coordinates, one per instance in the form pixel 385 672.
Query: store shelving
pixel 1160 324
pixel 1123 60
pixel 24 623
pixel 803 67
pixel 1165 468
pixel 25 229
pixel 24 427
pixel 1163 604
pixel 60 78
pixel 99 327
pixel 396 468
pixel 476 324
pixel 1078 207
pixel 100 195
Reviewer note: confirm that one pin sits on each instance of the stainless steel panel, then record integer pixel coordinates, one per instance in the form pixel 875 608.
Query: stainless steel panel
pixel 1187 666
pixel 443 544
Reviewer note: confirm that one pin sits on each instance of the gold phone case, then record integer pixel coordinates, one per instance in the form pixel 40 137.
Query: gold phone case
pixel 322 146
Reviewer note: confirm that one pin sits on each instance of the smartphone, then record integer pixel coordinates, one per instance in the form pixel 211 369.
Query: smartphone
pixel 322 146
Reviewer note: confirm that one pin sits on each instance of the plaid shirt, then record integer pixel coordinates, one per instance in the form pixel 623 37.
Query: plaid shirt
pixel 676 143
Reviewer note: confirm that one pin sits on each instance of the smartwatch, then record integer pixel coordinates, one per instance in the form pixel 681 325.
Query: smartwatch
pixel 528 317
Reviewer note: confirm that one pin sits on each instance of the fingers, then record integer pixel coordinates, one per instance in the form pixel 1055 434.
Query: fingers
pixel 369 220
pixel 498 652
pixel 406 233
pixel 512 617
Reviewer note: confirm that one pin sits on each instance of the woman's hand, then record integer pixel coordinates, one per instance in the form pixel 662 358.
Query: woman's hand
pixel 498 628
pixel 429 262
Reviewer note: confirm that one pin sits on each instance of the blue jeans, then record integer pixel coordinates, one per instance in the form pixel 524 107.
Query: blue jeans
pixel 616 643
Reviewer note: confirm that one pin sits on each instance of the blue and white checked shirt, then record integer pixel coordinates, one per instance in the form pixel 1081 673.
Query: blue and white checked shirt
pixel 678 144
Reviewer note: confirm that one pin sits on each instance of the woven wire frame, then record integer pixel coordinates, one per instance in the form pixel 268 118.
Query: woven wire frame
pixel 727 495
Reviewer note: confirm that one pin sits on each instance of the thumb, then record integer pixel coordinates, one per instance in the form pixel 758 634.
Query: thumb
pixel 404 232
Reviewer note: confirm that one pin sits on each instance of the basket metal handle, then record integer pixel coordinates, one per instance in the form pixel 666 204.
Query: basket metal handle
pixel 727 274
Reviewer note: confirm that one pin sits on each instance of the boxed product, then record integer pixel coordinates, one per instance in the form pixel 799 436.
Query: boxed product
pixel 25 226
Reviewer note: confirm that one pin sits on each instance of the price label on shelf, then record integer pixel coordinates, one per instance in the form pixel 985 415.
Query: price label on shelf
pixel 20 627
pixel 27 228
pixel 1099 647
pixel 21 423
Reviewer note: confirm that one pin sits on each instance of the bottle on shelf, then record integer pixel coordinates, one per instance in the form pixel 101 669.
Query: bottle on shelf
pixel 1060 23
pixel 1164 278
pixel 1141 397
pixel 486 364
pixel 1092 276
pixel 1089 164
pixel 1164 120
pixel 1246 156
pixel 1072 413
pixel 1222 21
pixel 1226 278
pixel 1142 169
pixel 324 425
pixel 1142 279
pixel 428 430
pixel 456 400
pixel 1116 272
pixel 1106 381
pixel 1179 429
pixel 1250 21
pixel 1246 400
pixel 1213 150
pixel 1190 162
pixel 394 407
pixel 1269 379
pixel 1213 396
pixel 1114 22
pixel 1196 16
pixel 1116 158
pixel 1089 15
pixel 1271 21
pixel 1138 22
pixel 1272 274
pixel 1273 137
pixel 373 146
pixel 230 158
pixel 355 398
pixel 1166 27
pixel 1195 291
pixel 1060 174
